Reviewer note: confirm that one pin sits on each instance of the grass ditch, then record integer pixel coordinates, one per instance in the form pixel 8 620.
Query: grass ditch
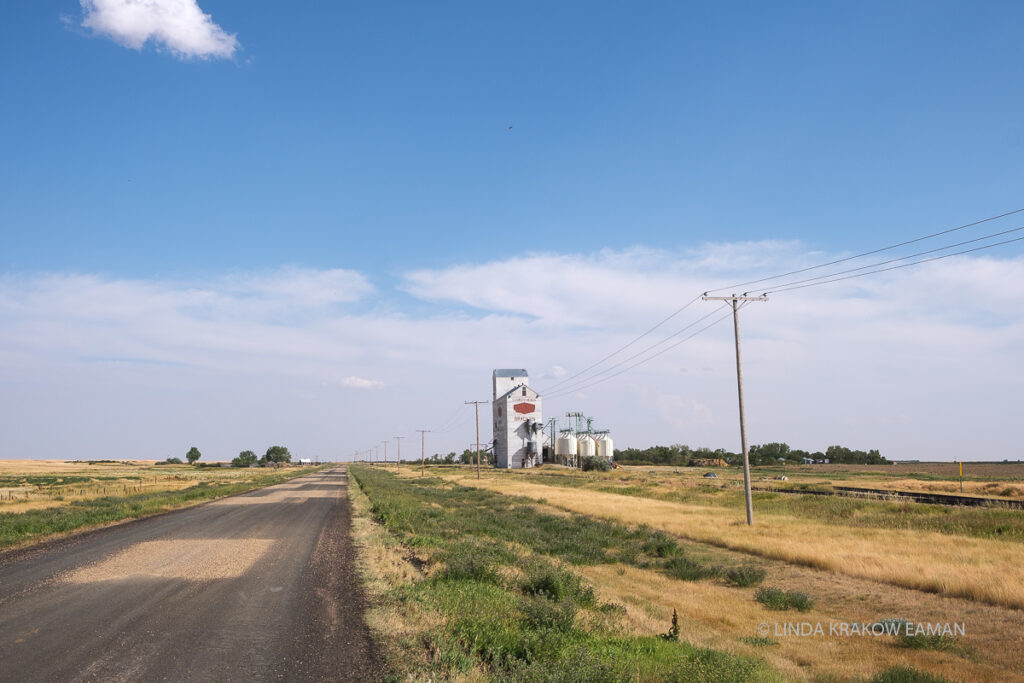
pixel 19 528
pixel 509 605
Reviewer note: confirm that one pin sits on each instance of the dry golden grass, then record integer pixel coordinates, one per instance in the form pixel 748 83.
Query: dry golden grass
pixel 717 616
pixel 984 570
pixel 9 467
pixel 121 478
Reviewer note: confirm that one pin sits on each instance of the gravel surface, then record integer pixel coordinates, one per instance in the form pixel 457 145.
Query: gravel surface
pixel 255 587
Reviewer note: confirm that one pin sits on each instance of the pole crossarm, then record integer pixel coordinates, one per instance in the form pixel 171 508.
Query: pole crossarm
pixel 744 297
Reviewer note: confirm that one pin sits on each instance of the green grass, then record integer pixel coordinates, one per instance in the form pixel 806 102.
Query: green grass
pixel 451 521
pixel 518 616
pixel 778 599
pixel 20 527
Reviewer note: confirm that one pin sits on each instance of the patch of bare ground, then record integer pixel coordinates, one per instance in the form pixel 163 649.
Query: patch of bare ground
pixel 189 559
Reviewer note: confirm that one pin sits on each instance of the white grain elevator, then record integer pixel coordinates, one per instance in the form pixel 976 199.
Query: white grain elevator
pixel 518 426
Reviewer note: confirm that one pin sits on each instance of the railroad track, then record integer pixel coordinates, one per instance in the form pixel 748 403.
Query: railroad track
pixel 913 496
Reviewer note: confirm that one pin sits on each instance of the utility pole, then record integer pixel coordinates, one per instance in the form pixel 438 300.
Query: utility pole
pixel 398 460
pixel 734 299
pixel 385 442
pixel 423 451
pixel 376 454
pixel 476 405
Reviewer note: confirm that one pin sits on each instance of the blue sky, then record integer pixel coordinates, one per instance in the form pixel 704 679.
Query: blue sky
pixel 390 149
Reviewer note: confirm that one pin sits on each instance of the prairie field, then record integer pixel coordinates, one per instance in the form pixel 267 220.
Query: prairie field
pixel 645 542
pixel 41 498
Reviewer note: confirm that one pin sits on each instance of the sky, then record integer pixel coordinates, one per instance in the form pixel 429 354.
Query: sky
pixel 237 224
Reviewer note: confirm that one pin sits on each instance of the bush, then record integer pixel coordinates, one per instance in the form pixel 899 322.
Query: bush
pixel 937 641
pixel 905 674
pixel 172 461
pixel 758 641
pixel 778 599
pixel 660 544
pixel 745 576
pixel 469 567
pixel 592 463
pixel 546 580
pixel 686 569
pixel 540 613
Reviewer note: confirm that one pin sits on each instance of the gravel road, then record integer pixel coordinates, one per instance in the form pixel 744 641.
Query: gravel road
pixel 260 586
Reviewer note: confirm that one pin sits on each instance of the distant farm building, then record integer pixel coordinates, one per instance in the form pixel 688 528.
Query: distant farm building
pixel 518 425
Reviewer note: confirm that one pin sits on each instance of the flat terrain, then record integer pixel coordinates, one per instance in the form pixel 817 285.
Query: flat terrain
pixel 258 586
pixel 653 541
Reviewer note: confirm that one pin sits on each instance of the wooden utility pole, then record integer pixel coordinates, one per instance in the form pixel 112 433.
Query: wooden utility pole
pixel 398 459
pixel 476 405
pixel 385 452
pixel 423 451
pixel 739 385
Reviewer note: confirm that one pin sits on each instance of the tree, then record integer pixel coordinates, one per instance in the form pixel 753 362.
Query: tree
pixel 278 454
pixel 193 455
pixel 244 459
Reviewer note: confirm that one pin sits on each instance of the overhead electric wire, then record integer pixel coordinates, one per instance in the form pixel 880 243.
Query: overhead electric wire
pixel 869 253
pixel 646 360
pixel 902 265
pixel 459 420
pixel 626 346
pixel 904 258
pixel 874 268
pixel 638 354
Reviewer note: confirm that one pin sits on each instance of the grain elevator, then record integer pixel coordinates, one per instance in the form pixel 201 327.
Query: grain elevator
pixel 518 426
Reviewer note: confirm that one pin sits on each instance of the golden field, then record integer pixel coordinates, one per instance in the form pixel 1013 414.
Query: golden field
pixel 855 574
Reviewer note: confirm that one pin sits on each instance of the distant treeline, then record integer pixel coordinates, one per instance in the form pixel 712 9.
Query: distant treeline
pixel 680 455
pixel 677 455
pixel 466 457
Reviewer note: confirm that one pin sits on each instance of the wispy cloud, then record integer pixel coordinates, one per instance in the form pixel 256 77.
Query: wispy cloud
pixel 179 26
pixel 290 355
pixel 361 383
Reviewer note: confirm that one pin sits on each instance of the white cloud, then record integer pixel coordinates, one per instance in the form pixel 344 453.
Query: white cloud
pixel 178 25
pixel 245 360
pixel 361 383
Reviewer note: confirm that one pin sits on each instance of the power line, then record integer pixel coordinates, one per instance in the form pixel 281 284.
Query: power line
pixel 904 258
pixel 869 253
pixel 623 348
pixel 821 279
pixel 566 392
pixel 902 265
pixel 570 388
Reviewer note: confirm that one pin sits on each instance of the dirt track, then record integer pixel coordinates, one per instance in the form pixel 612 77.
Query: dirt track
pixel 254 587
